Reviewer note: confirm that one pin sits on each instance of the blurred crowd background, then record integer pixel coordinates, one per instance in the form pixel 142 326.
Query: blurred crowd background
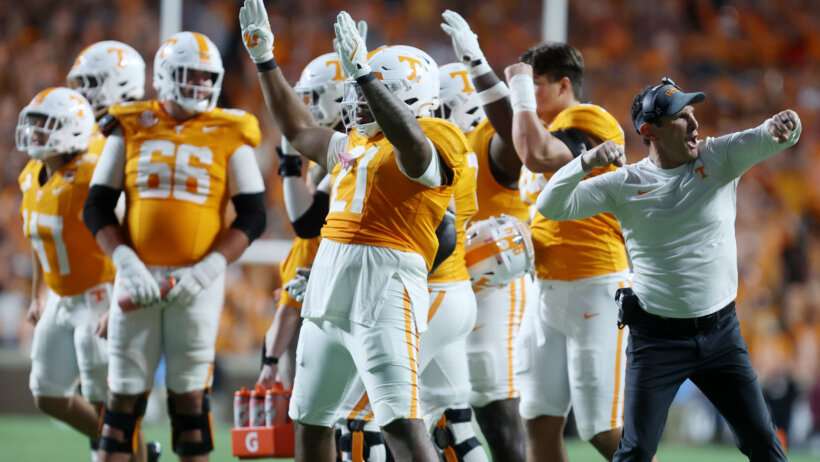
pixel 752 57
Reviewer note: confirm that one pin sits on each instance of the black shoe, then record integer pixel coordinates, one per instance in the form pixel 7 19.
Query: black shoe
pixel 154 450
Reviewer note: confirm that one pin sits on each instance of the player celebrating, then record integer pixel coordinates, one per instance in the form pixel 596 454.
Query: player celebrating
pixel 107 73
pixel 71 282
pixel 367 296
pixel 490 347
pixel 179 159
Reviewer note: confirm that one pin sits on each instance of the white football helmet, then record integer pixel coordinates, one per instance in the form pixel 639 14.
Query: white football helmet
pixel 57 121
pixel 411 74
pixel 459 100
pixel 107 73
pixel 321 86
pixel 176 58
pixel 499 251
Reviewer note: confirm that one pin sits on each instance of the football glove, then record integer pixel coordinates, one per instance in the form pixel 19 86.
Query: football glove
pixel 193 279
pixel 296 287
pixel 256 33
pixel 351 49
pixel 135 277
pixel 465 42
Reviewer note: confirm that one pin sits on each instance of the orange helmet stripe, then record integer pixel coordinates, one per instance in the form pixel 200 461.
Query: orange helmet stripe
pixel 204 50
pixel 488 250
pixel 38 100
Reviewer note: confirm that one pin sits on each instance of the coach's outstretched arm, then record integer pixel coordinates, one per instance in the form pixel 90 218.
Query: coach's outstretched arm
pixel 291 115
pixel 565 197
pixel 493 94
pixel 413 150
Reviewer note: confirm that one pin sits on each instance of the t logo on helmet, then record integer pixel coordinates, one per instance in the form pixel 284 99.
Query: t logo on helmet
pixel 413 63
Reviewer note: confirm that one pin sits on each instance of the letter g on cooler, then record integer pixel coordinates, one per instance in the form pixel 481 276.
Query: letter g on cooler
pixel 252 441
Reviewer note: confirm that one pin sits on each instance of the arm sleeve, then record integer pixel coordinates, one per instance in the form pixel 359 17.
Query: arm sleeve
pixel 309 224
pixel 447 235
pixel 566 197
pixel 98 210
pixel 251 216
pixel 244 176
pixel 736 153
pixel 576 140
pixel 110 169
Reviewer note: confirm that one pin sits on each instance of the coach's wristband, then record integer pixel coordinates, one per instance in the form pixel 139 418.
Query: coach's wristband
pixel 267 65
pixel 369 77
pixel 268 360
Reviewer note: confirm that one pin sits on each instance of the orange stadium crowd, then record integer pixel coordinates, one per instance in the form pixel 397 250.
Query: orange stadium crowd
pixel 750 57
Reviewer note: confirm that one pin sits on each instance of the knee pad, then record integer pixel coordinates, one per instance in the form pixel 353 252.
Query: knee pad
pixel 187 422
pixel 127 423
pixel 359 445
pixel 454 434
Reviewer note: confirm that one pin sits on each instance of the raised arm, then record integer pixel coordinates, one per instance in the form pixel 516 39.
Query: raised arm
pixel 538 149
pixel 566 197
pixel 412 149
pixel 494 97
pixel 291 115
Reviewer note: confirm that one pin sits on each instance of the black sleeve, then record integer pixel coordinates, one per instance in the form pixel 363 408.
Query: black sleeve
pixel 98 211
pixel 309 225
pixel 446 234
pixel 576 140
pixel 251 215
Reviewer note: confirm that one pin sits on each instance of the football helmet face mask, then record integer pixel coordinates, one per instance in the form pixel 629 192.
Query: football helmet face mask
pixel 57 121
pixel 499 250
pixel 459 100
pixel 409 73
pixel 321 86
pixel 107 73
pixel 188 71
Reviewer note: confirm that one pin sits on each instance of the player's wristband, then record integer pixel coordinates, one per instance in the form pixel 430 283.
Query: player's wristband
pixel 369 77
pixel 267 65
pixel 493 94
pixel 289 165
pixel 522 94
pixel 478 67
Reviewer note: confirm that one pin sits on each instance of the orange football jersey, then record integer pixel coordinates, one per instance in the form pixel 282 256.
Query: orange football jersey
pixel 493 199
pixel 373 203
pixel 176 178
pixel 96 142
pixel 454 268
pixel 52 214
pixel 302 253
pixel 569 250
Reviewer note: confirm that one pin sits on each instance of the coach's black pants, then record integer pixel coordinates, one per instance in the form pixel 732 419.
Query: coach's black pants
pixel 662 354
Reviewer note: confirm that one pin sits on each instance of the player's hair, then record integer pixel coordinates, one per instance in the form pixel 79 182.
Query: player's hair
pixel 637 107
pixel 557 60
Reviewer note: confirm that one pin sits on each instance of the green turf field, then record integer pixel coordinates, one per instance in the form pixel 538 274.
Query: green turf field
pixel 35 438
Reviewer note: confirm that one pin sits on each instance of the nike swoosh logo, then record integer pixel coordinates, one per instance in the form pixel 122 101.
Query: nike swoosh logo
pixel 478 327
pixel 587 315
pixel 641 193
pixel 56 191
pixel 208 129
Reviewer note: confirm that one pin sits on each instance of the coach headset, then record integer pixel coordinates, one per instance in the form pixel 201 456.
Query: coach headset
pixel 650 112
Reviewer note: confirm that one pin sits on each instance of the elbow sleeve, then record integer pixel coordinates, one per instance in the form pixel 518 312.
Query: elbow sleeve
pixel 251 216
pixel 309 225
pixel 98 211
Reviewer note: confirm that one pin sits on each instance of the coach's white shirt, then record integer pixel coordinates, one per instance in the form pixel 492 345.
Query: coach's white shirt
pixel 678 223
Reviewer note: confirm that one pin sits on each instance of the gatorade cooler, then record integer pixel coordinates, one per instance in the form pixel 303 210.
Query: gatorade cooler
pixel 267 441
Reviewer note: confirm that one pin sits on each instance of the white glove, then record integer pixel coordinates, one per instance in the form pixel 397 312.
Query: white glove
pixel 296 287
pixel 465 42
pixel 351 47
pixel 193 279
pixel 361 26
pixel 135 277
pixel 256 33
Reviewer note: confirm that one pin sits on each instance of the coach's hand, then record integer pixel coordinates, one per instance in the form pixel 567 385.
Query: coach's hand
pixel 352 49
pixel 193 279
pixel 268 376
pixel 782 125
pixel 256 33
pixel 602 155
pixel 134 275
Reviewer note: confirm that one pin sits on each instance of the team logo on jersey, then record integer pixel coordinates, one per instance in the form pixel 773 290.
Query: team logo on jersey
pixel 68 175
pixel 57 191
pixel 147 119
